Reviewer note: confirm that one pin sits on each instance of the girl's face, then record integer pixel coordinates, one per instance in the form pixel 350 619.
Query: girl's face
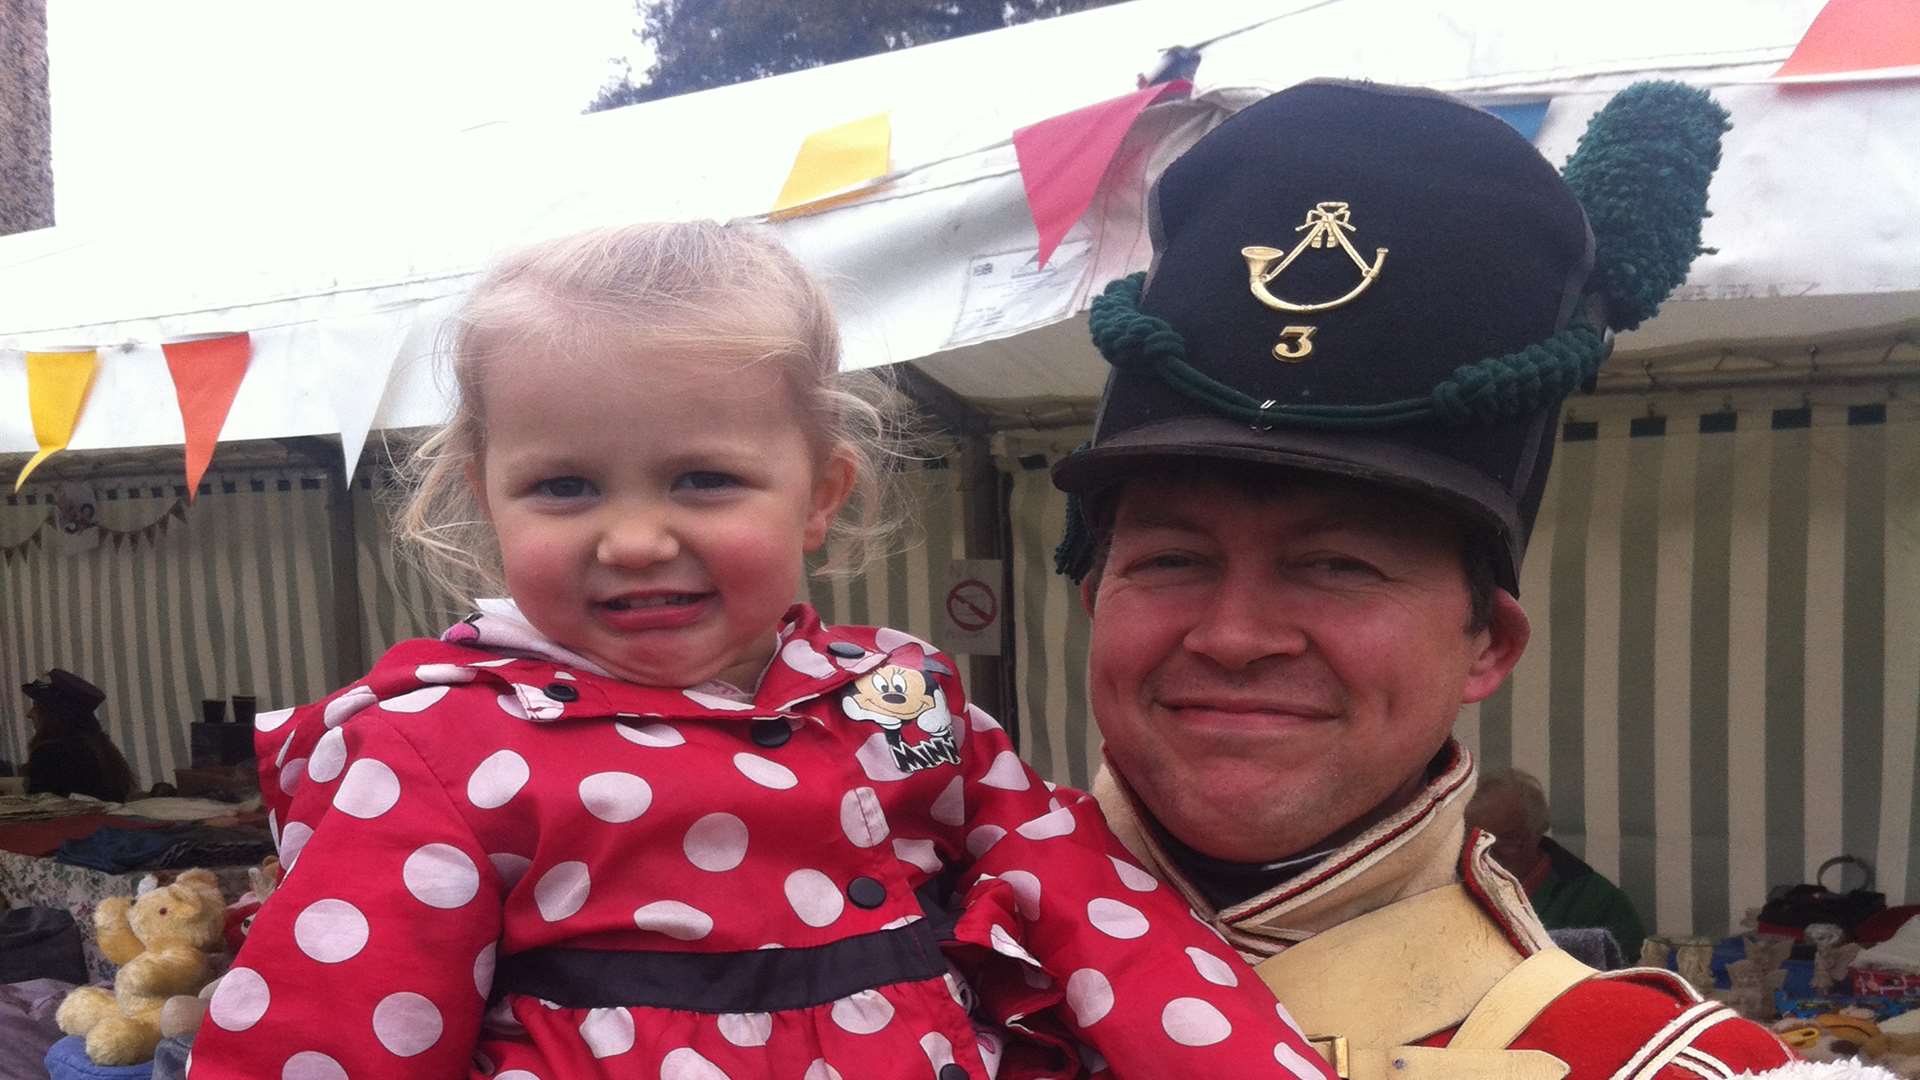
pixel 654 516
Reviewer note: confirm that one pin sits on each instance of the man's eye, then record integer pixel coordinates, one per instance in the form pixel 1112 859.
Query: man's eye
pixel 706 481
pixel 563 487
pixel 1335 564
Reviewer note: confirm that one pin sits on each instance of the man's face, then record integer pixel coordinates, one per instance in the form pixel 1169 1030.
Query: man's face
pixel 1274 670
pixel 1515 844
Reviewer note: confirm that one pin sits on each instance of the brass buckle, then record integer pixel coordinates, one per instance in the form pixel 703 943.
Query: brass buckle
pixel 1334 1049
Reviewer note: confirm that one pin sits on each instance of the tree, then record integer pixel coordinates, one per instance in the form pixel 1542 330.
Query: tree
pixel 701 44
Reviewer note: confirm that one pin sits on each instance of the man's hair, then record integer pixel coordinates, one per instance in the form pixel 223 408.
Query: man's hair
pixel 1533 798
pixel 1479 551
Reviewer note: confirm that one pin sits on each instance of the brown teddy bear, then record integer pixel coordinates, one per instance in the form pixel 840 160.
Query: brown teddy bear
pixel 162 942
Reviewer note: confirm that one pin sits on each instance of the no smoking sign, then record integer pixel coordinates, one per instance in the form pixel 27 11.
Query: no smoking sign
pixel 970 613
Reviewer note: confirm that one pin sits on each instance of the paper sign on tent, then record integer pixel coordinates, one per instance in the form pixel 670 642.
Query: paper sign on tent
pixel 206 375
pixel 1063 159
pixel 835 159
pixel 1857 39
pixel 57 385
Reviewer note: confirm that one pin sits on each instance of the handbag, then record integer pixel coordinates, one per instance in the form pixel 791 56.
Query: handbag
pixel 1796 907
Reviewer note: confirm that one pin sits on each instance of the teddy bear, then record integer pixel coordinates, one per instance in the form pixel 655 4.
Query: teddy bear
pixel 162 941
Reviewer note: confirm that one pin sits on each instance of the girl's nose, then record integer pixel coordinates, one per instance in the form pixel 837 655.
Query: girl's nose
pixel 637 540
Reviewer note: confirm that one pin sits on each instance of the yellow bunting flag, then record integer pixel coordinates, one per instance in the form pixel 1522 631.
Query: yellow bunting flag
pixel 837 158
pixel 56 390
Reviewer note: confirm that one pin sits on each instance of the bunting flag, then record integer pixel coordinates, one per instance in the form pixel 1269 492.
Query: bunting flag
pixel 56 391
pixel 837 158
pixel 1063 159
pixel 206 375
pixel 1524 117
pixel 1857 39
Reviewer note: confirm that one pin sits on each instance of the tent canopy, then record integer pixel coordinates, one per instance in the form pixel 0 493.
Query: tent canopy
pixel 346 272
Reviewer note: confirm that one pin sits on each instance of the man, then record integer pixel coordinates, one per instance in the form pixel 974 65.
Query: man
pixel 1312 477
pixel 1565 892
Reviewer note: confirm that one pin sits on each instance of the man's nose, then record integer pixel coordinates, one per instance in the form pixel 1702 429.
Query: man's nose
pixel 637 539
pixel 1244 622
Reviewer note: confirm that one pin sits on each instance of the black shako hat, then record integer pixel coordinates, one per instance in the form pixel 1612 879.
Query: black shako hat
pixel 1388 284
pixel 60 687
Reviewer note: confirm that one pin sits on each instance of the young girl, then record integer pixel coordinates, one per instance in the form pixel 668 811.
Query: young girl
pixel 648 818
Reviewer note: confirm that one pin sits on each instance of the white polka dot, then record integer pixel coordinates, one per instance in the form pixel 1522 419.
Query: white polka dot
pixel 1036 978
pixel 1094 1061
pixel 328 758
pixel 1116 919
pixel 330 931
pixel 535 704
pixel 1026 890
pixel 687 1064
pixel 406 1024
pixel 509 703
pixel 806 660
pixel 716 702
pixel 717 842
pixel 982 839
pixel 978 720
pixel 444 674
pixel 1192 1022
pixel 649 734
pixel 271 720
pixel 820 1070
pixel 876 759
pixel 938 1050
pixel 291 774
pixel 369 790
pixel 1133 877
pixel 441 876
pixel 1048 825
pixel 280 758
pixel 1285 1016
pixel 497 780
pixel 562 890
pixel 1007 773
pixel 768 774
pixel 920 853
pixel 959 991
pixel 517 1074
pixel 904 920
pixel 483 966
pixel 887 639
pixel 344 706
pixel 312 1065
pixel 951 807
pixel 567 675
pixel 1004 944
pixel 240 1000
pixel 863 1013
pixel 1296 1062
pixel 509 866
pixel 674 919
pixel 292 839
pixel 615 797
pixel 1212 968
pixel 815 898
pixel 1089 995
pixel 499 662
pixel 746 1030
pixel 607 1032
pixel 862 819
pixel 414 701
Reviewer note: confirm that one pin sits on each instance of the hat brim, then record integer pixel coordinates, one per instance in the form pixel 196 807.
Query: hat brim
pixel 1366 459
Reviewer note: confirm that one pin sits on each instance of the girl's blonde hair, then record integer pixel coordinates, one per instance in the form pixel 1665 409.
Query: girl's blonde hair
pixel 722 292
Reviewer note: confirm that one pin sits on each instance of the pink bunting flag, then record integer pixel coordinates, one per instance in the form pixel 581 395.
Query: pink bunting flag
pixel 206 376
pixel 1858 39
pixel 1063 159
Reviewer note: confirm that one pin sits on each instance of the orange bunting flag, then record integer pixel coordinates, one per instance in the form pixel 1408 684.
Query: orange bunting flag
pixel 1063 159
pixel 206 375
pixel 837 158
pixel 1858 39
pixel 56 391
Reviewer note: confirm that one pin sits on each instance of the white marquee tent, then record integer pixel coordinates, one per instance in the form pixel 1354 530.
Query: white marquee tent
pixel 1727 569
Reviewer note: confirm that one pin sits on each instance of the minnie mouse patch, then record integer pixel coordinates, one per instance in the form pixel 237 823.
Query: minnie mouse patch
pixel 904 700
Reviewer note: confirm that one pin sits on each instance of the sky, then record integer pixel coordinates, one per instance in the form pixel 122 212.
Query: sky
pixel 159 105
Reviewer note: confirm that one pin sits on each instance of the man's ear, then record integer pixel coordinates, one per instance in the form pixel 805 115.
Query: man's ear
pixel 1498 647
pixel 1088 586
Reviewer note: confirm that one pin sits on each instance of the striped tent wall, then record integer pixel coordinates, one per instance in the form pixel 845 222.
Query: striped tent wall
pixel 1723 686
pixel 397 599
pixel 226 596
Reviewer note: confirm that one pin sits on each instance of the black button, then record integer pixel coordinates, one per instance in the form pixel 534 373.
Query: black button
pixel 771 732
pixel 952 1072
pixel 866 892
pixel 560 691
pixel 846 649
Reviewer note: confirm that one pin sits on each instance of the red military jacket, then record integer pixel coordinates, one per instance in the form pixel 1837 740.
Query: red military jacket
pixel 503 863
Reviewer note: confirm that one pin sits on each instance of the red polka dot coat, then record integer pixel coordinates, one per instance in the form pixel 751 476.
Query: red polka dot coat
pixel 503 864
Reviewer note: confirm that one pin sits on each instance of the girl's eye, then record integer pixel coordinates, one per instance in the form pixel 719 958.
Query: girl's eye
pixel 563 487
pixel 707 481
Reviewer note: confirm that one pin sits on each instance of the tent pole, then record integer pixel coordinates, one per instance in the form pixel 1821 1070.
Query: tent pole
pixel 344 552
